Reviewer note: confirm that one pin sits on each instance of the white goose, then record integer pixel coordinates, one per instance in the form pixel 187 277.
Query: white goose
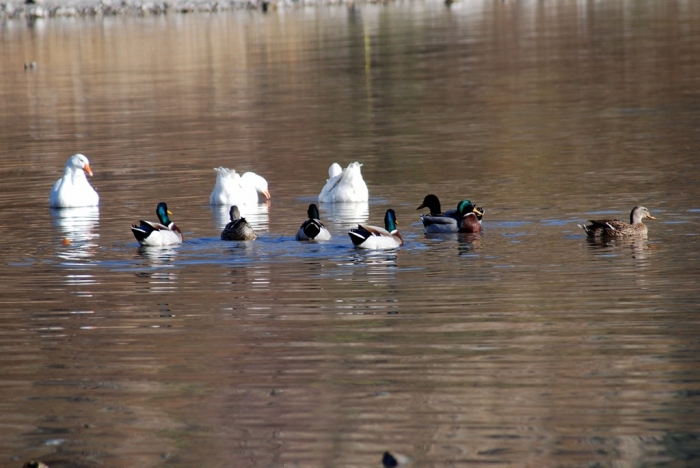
pixel 73 189
pixel 344 185
pixel 232 188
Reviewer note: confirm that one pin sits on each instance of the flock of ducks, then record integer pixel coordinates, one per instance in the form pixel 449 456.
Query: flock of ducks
pixel 343 185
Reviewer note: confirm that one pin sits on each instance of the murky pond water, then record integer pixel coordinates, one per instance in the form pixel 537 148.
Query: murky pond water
pixel 524 346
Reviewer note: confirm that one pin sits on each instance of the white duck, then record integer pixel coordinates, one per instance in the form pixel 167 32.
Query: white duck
pixel 232 188
pixel 344 185
pixel 73 189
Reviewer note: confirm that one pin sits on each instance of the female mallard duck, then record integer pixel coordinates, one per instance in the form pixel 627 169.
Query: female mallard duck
pixel 231 187
pixel 73 189
pixel 313 228
pixel 617 228
pixel 466 218
pixel 344 185
pixel 165 232
pixel 373 237
pixel 238 229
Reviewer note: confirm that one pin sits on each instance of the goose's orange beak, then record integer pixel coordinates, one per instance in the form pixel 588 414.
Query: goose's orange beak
pixel 266 194
pixel 87 169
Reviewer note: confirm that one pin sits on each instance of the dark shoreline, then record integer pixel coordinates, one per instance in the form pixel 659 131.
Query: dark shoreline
pixel 14 9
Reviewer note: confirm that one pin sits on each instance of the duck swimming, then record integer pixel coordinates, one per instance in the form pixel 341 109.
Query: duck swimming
pixel 344 185
pixel 373 237
pixel 164 232
pixel 232 188
pixel 465 218
pixel 313 228
pixel 238 229
pixel 617 228
pixel 73 189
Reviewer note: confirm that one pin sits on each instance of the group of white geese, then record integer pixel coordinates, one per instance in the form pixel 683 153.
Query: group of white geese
pixel 343 186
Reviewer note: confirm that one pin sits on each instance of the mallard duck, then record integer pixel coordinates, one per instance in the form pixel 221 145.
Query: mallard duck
pixel 231 187
pixel 617 228
pixel 373 237
pixel 73 189
pixel 313 228
pixel 238 229
pixel 344 185
pixel 164 232
pixel 465 218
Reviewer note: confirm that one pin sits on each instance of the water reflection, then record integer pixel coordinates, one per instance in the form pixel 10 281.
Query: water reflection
pixel 161 274
pixel 378 269
pixel 345 215
pixel 256 215
pixel 77 229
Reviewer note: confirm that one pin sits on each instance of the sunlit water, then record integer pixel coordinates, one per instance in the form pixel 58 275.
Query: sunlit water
pixel 524 346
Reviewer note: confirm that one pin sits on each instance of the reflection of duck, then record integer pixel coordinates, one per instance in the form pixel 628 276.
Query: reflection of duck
pixel 313 228
pixel 344 185
pixel 346 215
pixel 78 230
pixel 73 189
pixel 373 237
pixel 617 228
pixel 234 189
pixel 466 218
pixel 165 232
pixel 238 229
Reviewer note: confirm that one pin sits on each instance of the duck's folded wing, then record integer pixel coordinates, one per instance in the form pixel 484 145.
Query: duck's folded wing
pixel 440 220
pixel 375 230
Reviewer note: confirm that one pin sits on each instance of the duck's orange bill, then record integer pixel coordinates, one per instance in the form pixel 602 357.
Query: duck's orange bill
pixel 87 169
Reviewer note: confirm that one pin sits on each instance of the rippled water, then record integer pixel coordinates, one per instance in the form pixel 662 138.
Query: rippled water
pixel 524 346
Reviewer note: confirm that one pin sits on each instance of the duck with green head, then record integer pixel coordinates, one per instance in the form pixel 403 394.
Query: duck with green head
pixel 164 232
pixel 465 218
pixel 374 237
pixel 238 229
pixel 617 228
pixel 313 228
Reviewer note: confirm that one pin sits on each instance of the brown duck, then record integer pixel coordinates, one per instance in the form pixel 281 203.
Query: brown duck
pixel 617 228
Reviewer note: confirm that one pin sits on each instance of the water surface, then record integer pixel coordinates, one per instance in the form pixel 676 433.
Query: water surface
pixel 524 346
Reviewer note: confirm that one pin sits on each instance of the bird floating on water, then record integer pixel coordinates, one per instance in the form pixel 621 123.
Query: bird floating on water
pixel 73 189
pixel 238 229
pixel 232 188
pixel 164 232
pixel 617 228
pixel 313 228
pixel 344 185
pixel 373 237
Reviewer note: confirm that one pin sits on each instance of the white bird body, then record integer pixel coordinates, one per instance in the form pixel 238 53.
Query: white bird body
pixel 164 232
pixel 365 236
pixel 344 185
pixel 73 189
pixel 232 188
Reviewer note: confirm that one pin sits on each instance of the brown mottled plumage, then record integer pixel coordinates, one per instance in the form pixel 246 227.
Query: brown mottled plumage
pixel 617 228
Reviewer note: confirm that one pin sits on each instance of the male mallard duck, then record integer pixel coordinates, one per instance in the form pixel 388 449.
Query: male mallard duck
pixel 165 232
pixel 617 228
pixel 313 228
pixel 73 189
pixel 238 229
pixel 344 185
pixel 466 218
pixel 231 187
pixel 373 237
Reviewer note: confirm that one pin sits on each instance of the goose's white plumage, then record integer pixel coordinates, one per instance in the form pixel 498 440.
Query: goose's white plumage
pixel 344 185
pixel 73 189
pixel 232 188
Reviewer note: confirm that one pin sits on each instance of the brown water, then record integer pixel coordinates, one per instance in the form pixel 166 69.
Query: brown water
pixel 527 346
